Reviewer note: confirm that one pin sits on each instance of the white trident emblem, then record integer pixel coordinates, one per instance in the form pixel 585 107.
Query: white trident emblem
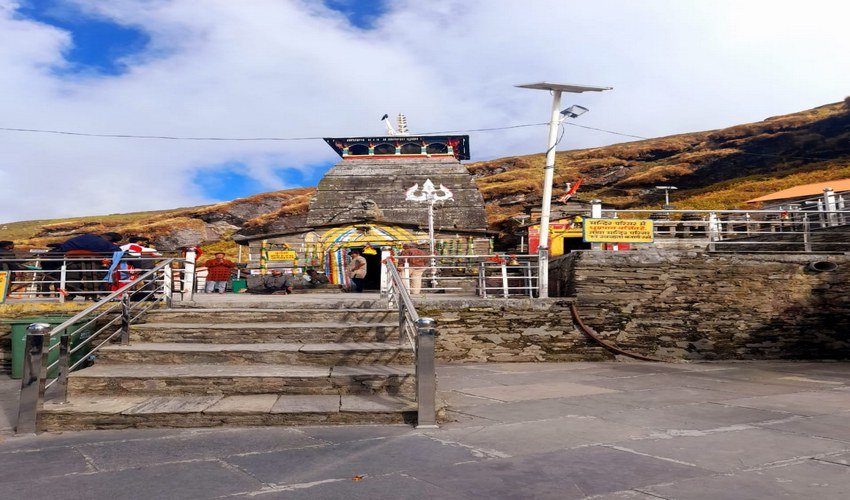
pixel 428 193
pixel 431 196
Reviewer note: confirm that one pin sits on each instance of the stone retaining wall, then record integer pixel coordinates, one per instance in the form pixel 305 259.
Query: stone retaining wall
pixel 501 330
pixel 697 305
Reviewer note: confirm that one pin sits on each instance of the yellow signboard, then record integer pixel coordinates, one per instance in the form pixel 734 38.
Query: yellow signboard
pixel 618 231
pixel 4 285
pixel 282 255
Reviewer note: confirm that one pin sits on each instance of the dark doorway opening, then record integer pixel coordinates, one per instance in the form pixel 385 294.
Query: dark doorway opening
pixel 373 272
pixel 575 244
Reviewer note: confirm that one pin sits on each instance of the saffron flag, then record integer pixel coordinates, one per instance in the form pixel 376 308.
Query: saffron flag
pixel 570 192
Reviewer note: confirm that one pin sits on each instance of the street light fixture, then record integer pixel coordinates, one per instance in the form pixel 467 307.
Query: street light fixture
pixel 667 190
pixel 556 89
pixel 573 111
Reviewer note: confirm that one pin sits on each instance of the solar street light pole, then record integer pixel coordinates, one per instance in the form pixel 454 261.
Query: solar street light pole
pixel 545 213
pixel 548 174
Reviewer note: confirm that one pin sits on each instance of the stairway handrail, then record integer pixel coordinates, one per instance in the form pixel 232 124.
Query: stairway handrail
pixel 36 363
pixel 421 332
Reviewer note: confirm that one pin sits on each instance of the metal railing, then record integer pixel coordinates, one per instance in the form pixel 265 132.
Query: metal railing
pixel 760 230
pixel 421 334
pixel 505 275
pixel 59 278
pixel 110 318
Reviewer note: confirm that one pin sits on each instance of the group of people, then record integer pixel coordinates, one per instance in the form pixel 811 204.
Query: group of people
pixel 85 256
pixel 219 271
pixel 416 259
pixel 140 254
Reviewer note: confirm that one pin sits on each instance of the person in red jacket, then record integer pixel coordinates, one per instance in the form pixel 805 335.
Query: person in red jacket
pixel 218 273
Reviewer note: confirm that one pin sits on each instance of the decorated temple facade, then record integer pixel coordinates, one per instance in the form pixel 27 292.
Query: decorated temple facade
pixel 375 199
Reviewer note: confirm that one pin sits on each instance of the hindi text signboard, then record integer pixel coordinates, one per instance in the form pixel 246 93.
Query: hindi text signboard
pixel 618 231
pixel 282 255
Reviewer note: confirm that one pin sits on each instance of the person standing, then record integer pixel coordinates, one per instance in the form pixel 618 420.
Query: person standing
pixel 416 266
pixel 218 273
pixel 357 269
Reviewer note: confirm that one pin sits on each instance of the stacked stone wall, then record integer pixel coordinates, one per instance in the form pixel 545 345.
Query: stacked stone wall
pixel 508 330
pixel 697 305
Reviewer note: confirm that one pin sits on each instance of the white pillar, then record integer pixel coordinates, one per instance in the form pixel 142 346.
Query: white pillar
pixel 386 253
pixel 831 206
pixel 189 273
pixel 548 177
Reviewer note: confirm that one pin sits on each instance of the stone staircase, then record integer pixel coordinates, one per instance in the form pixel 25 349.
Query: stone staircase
pixel 243 361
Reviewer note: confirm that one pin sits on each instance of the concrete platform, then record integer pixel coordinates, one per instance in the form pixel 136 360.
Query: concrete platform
pixel 747 430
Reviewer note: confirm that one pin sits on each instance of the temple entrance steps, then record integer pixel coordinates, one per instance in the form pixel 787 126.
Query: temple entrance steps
pixel 236 360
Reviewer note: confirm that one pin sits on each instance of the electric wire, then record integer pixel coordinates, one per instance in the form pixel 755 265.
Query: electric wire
pixel 313 138
pixel 184 138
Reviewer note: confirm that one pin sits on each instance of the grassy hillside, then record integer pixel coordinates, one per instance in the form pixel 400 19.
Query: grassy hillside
pixel 713 169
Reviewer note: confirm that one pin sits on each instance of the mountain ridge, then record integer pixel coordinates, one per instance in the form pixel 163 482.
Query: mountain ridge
pixel 719 168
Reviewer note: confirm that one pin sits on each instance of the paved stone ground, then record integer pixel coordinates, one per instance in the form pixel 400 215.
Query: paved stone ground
pixel 575 430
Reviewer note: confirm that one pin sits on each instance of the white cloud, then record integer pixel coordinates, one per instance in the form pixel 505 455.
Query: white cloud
pixel 293 69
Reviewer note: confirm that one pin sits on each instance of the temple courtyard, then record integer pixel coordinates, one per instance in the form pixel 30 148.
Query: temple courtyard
pixel 611 430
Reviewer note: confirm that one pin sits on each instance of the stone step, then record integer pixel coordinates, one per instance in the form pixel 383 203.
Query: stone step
pixel 238 315
pixel 246 333
pixel 329 354
pixel 222 379
pixel 121 412
pixel 290 302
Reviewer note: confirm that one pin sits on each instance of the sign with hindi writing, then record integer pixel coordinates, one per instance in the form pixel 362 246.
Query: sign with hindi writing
pixel 618 231
pixel 282 255
pixel 5 278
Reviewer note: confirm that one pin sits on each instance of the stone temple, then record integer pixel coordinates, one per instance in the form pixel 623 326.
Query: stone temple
pixel 361 203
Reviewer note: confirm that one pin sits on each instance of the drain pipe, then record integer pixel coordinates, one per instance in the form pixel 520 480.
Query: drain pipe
pixel 607 345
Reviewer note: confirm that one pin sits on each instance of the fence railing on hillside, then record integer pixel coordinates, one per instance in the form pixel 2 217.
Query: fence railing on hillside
pixel 761 230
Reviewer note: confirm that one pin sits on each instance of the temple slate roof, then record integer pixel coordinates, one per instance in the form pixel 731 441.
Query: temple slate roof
pixel 372 188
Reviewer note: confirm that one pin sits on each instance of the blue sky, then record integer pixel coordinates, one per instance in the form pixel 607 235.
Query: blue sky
pixel 100 46
pixel 291 69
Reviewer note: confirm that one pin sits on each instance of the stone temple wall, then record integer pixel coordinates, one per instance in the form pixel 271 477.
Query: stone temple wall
pixel 697 305
pixel 508 330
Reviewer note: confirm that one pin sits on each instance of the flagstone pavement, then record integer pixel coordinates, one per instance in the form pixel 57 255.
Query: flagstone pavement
pixel 620 430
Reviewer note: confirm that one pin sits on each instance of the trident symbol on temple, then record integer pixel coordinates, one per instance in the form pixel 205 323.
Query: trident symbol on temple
pixel 429 193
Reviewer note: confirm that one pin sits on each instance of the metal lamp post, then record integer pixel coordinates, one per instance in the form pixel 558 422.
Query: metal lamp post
pixel 667 190
pixel 430 195
pixel 556 89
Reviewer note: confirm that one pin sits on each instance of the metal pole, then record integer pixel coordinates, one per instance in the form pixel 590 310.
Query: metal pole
pixel 807 245
pixel 167 286
pixel 431 242
pixel 548 176
pixel 504 279
pixel 64 366
pixel 125 319
pixel 63 277
pixel 482 279
pixel 401 318
pixel 34 377
pixel 239 260
pixel 426 374
pixel 713 231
